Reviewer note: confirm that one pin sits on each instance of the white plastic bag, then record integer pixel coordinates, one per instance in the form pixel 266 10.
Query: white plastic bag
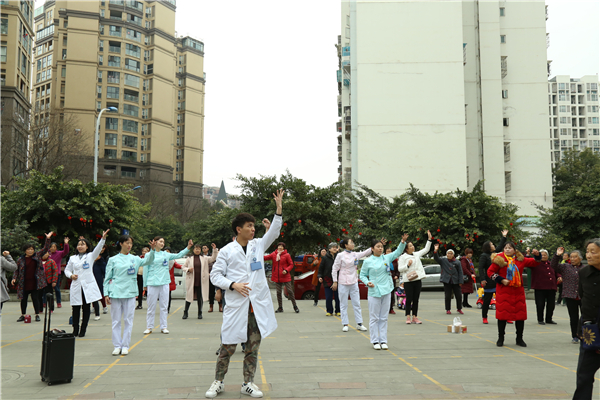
pixel 457 321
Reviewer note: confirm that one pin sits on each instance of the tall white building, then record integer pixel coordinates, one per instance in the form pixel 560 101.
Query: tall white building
pixel 442 94
pixel 574 115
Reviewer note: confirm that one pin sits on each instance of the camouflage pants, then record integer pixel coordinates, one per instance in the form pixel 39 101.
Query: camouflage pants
pixel 251 352
pixel 290 289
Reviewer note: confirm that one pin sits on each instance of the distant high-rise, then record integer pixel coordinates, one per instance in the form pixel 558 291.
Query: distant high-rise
pixel 92 55
pixel 443 94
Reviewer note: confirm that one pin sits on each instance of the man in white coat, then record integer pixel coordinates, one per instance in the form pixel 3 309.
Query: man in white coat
pixel 248 315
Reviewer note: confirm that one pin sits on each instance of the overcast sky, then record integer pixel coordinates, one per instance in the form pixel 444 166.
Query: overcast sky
pixel 271 80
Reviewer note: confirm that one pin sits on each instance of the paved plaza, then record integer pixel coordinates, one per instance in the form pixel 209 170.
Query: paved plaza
pixel 308 356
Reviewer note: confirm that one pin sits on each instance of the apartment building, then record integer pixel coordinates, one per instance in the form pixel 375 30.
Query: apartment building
pixel 93 55
pixel 574 116
pixel 445 94
pixel 17 34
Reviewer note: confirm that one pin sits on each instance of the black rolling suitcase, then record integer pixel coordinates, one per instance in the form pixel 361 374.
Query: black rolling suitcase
pixel 58 352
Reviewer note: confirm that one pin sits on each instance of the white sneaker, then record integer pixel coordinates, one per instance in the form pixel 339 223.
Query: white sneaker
pixel 251 390
pixel 105 310
pixel 116 351
pixel 165 331
pixel 384 346
pixel 376 346
pixel 124 351
pixel 215 388
pixel 361 327
pixel 345 328
pixel 97 318
pixel 147 331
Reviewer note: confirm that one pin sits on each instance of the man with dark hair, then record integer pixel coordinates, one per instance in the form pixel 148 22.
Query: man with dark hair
pixel 248 315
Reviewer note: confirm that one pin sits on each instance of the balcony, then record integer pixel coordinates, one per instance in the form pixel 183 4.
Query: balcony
pixel 338 126
pixel 48 31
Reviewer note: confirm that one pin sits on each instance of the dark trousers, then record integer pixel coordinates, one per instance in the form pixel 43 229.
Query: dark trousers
pixel 465 299
pixel 331 295
pixel 35 299
pixel 449 288
pixel 290 289
pixel 44 292
pixel 86 316
pixel 519 326
pixel 560 290
pixel 198 292
pixel 317 291
pixel 140 283
pixel 56 291
pixel 574 307
pixel 393 299
pixel 487 298
pixel 545 298
pixel 97 306
pixel 413 292
pixel 589 363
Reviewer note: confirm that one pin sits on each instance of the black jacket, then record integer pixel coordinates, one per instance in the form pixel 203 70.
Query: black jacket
pixel 325 269
pixel 589 292
pixel 485 260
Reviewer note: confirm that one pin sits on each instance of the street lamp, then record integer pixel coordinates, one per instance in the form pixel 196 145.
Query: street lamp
pixel 135 188
pixel 97 139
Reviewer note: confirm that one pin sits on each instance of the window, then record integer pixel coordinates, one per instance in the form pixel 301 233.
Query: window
pixel 131 95
pixel 562 95
pixel 3 53
pixel 65 40
pixel 144 129
pixel 128 172
pixel 115 30
pixel 130 126
pixel 110 154
pixel 114 61
pixel 112 124
pixel 132 80
pixel 112 92
pixel 63 72
pixel 178 166
pixel 5 26
pixel 129 156
pixel 179 154
pixel 134 19
pixel 563 131
pixel 134 35
pixel 595 131
pixel 111 169
pixel 145 113
pixel 132 65
pixel 144 144
pixel 507 181
pixel 592 95
pixel 102 13
pixel 563 120
pixel 143 158
pixel 593 120
pixel 505 94
pixel 505 121
pixel 149 69
pixel 180 82
pixel 133 50
pixel 113 77
pixel 563 109
pixel 114 47
pixel 502 38
pixel 562 86
pixel 111 138
pixel 98 106
pixel 129 109
pixel 502 11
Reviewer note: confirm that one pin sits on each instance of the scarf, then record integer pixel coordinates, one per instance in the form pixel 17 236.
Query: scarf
pixel 278 256
pixel 512 273
pixel 471 265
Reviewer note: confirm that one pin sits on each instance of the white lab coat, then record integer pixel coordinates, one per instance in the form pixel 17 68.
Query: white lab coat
pixel 233 265
pixel 85 277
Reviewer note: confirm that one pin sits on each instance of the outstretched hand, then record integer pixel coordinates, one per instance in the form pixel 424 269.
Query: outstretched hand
pixel 436 247
pixel 278 199
pixel 105 233
pixel 429 236
pixel 267 224
pixel 190 244
pixel 560 251
pixel 505 232
pixel 49 235
pixel 404 238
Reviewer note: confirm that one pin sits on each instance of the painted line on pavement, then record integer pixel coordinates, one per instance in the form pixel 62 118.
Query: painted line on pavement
pixel 265 385
pixel 20 340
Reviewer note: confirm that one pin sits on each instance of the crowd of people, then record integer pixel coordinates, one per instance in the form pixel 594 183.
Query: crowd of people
pixel 236 272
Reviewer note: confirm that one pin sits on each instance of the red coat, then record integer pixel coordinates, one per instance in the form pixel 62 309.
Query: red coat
pixel 510 300
pixel 172 285
pixel 467 287
pixel 284 263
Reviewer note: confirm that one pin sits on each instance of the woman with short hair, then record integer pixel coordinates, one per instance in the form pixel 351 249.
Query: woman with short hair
pixel 569 272
pixel 543 281
pixel 281 274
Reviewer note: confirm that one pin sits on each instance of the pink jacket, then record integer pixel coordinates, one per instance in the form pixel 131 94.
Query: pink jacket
pixel 346 263
pixel 58 256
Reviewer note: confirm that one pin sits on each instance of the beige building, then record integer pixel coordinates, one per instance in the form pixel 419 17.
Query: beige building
pixel 17 34
pixel 92 55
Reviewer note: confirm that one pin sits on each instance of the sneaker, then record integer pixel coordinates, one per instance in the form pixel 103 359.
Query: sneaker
pixel 296 309
pixel 105 310
pixel 59 305
pixel 345 328
pixel 460 312
pixel 485 321
pixel 124 351
pixel 147 331
pixel 251 390
pixel 328 314
pixel 37 318
pixel 116 351
pixel 165 331
pixel 216 388
pixel 448 312
pixel 138 307
pixel 376 346
pixel 416 320
pixel 361 327
pixel 392 311
pixel 575 340
pixel 97 318
pixel 384 346
pixel 338 314
pixel 21 319
pixel 408 321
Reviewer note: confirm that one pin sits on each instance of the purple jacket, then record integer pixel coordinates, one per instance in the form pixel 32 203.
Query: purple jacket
pixel 570 275
pixel 543 277
pixel 58 256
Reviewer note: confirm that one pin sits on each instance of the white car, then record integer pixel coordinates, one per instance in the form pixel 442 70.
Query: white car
pixel 432 276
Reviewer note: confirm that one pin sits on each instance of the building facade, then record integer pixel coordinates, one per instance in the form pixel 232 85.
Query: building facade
pixel 17 34
pixel 574 116
pixel 444 95
pixel 92 55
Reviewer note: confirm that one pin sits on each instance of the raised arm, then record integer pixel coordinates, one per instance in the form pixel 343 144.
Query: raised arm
pixel 65 251
pixel 181 254
pixel 423 251
pixel 98 249
pixel 556 259
pixel 46 247
pixel 364 253
pixel 396 253
pixel 273 232
pixel 8 264
pixel 215 253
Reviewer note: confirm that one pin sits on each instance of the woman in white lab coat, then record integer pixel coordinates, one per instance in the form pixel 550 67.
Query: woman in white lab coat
pixel 84 289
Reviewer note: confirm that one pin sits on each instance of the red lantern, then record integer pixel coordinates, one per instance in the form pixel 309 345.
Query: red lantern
pixel 445 246
pixel 281 233
pixel 329 234
pixel 359 233
pixel 350 225
pixel 285 224
pixel 69 217
pixel 418 239
pixel 338 239
pixel 81 219
pixel 110 220
pixel 511 224
pixel 299 221
pixel 438 229
pixel 343 229
pixel 520 241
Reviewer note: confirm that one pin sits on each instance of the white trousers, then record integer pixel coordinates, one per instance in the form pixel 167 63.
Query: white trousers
pixel 122 308
pixel 379 307
pixel 160 293
pixel 343 292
